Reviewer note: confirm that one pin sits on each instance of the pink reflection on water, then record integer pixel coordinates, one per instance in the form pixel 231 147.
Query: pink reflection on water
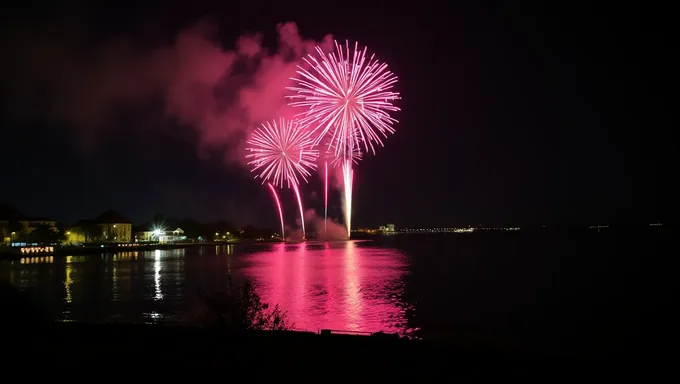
pixel 337 285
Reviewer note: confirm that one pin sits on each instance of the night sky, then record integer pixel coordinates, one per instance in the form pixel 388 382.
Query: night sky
pixel 510 115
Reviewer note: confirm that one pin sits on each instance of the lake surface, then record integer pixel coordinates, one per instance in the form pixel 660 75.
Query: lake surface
pixel 556 291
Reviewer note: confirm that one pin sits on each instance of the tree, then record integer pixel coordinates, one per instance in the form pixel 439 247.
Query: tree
pixel 242 311
pixel 92 232
pixel 16 228
pixel 250 232
pixel 45 234
pixel 193 229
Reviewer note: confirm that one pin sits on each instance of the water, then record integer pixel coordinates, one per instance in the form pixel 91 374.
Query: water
pixel 551 291
pixel 344 285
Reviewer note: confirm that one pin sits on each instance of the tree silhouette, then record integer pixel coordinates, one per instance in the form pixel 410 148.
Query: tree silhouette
pixel 243 310
pixel 45 234
pixel 193 229
pixel 92 232
pixel 17 228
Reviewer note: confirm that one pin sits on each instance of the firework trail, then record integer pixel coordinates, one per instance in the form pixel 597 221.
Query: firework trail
pixel 278 204
pixel 283 152
pixel 347 98
pixel 302 212
pixel 325 202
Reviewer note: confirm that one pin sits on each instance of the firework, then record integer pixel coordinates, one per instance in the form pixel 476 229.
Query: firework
pixel 352 152
pixel 348 99
pixel 282 152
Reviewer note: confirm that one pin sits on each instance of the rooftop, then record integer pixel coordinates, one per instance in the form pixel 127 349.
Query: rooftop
pixel 112 217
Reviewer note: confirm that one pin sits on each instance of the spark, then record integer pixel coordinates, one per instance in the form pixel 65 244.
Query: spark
pixel 348 178
pixel 352 153
pixel 282 152
pixel 278 204
pixel 347 97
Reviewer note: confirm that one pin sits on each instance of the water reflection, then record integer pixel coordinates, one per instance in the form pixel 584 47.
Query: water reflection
pixel 36 260
pixel 68 280
pixel 157 274
pixel 343 285
pixel 352 288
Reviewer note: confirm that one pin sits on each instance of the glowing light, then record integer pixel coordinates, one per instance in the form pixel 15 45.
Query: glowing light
pixel 325 202
pixel 278 204
pixel 157 274
pixel 302 212
pixel 347 98
pixel 347 176
pixel 352 152
pixel 353 288
pixel 346 95
pixel 282 152
pixel 68 281
pixel 338 286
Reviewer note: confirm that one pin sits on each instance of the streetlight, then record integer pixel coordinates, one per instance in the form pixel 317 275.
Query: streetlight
pixel 11 238
pixel 157 232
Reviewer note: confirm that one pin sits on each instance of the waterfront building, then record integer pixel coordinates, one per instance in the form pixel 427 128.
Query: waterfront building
pixel 15 226
pixel 160 235
pixel 114 228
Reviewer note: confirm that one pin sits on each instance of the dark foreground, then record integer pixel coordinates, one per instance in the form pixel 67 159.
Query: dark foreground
pixel 32 343
pixel 142 349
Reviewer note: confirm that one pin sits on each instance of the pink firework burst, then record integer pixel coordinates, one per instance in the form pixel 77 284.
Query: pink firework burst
pixel 347 97
pixel 282 152
pixel 352 151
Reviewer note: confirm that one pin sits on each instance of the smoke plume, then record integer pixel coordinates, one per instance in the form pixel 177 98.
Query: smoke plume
pixel 328 231
pixel 219 93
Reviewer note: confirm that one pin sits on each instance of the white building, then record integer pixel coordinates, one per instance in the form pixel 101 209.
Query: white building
pixel 160 236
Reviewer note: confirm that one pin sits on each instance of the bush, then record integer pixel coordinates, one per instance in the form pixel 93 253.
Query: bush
pixel 242 310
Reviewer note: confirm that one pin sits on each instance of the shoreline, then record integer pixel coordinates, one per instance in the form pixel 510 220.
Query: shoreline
pixel 15 252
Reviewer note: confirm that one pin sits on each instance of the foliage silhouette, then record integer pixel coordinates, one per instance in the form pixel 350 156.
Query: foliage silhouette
pixel 241 310
pixel 45 234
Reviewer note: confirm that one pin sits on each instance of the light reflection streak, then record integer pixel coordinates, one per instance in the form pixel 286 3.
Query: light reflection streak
pixel 230 249
pixel 338 285
pixel 352 288
pixel 279 273
pixel 37 260
pixel 68 281
pixel 298 279
pixel 157 274
pixel 329 309
pixel 114 280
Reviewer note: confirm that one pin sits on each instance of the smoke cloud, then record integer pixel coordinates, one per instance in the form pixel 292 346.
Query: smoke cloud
pixel 331 231
pixel 219 93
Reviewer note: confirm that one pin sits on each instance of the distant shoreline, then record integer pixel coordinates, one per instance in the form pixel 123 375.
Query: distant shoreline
pixel 13 253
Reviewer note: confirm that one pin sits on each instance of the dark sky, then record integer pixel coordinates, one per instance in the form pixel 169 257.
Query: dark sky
pixel 510 114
